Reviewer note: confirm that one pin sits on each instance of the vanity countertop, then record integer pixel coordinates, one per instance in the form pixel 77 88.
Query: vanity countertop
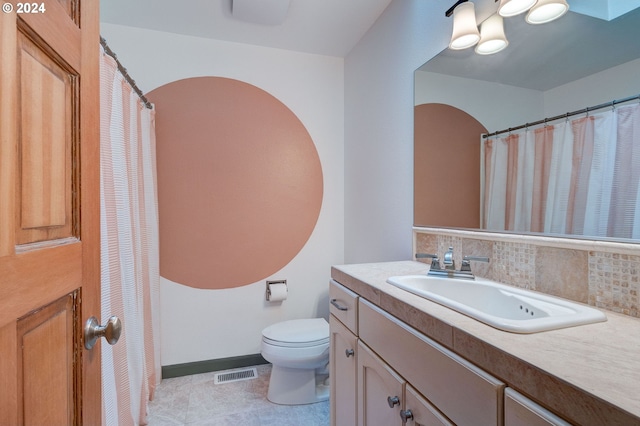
pixel 590 373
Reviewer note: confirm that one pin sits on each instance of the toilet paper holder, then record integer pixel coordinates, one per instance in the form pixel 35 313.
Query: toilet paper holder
pixel 268 291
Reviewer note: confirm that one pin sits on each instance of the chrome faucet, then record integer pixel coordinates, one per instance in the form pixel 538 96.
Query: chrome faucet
pixel 449 263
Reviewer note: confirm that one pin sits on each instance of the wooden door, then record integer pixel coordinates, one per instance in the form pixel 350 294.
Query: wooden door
pixel 343 367
pixel 380 390
pixel 49 212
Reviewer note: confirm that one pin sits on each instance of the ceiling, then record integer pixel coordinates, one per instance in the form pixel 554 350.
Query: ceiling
pixel 324 27
pixel 542 57
pixel 593 36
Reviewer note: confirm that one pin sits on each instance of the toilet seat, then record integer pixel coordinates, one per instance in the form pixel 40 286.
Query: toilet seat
pixel 300 333
pixel 296 344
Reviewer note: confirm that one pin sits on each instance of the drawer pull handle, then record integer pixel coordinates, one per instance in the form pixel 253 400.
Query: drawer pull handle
pixel 406 415
pixel 349 352
pixel 393 401
pixel 335 303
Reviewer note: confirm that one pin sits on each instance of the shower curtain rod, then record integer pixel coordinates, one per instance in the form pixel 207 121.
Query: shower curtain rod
pixel 125 74
pixel 567 115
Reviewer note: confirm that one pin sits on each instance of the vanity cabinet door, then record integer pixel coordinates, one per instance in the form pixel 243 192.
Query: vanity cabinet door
pixel 343 364
pixel 419 412
pixel 521 411
pixel 380 391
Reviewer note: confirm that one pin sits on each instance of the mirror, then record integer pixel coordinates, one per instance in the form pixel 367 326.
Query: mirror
pixel 547 70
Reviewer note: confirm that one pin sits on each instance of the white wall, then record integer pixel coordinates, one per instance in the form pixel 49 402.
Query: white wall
pixel 211 324
pixel 615 83
pixel 379 127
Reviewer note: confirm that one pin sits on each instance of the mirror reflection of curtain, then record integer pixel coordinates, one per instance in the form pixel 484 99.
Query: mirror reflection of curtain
pixel 580 176
pixel 129 248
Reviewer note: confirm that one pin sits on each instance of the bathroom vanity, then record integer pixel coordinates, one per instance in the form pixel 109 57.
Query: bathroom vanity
pixel 397 358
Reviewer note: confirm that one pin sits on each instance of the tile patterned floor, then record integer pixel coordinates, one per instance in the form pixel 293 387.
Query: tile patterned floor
pixel 197 401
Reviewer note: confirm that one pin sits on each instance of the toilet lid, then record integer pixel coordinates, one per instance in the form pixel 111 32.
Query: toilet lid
pixel 301 332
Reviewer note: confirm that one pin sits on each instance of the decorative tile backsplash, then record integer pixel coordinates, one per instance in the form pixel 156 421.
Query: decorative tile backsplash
pixel 613 282
pixel 604 275
pixel 513 263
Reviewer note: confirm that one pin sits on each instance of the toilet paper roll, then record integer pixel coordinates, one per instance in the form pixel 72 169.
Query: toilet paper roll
pixel 277 292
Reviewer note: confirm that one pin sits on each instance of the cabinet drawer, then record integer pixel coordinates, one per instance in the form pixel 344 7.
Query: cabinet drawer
pixel 521 411
pixel 344 305
pixel 461 391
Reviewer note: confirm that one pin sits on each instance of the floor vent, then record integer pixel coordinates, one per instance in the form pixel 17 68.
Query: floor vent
pixel 235 376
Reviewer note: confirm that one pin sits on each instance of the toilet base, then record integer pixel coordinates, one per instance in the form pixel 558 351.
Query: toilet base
pixel 296 386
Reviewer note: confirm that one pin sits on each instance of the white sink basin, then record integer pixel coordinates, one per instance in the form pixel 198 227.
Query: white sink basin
pixel 498 305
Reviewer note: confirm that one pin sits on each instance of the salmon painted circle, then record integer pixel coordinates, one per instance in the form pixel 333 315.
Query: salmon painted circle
pixel 239 182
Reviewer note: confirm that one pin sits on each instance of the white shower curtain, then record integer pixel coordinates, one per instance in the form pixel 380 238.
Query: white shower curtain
pixel 129 248
pixel 579 176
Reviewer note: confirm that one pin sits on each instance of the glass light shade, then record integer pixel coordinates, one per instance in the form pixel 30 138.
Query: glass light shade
pixel 465 30
pixel 514 7
pixel 546 11
pixel 492 38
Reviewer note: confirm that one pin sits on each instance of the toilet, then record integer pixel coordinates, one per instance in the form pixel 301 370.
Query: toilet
pixel 299 352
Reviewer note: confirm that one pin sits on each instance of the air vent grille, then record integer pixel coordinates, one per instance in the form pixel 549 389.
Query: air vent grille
pixel 235 376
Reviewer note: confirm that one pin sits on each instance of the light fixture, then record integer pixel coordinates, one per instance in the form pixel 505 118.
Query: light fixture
pixel 546 11
pixel 509 8
pixel 492 38
pixel 465 30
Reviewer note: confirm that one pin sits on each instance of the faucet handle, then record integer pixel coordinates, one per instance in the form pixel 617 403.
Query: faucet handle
pixel 466 262
pixel 425 255
pixel 435 262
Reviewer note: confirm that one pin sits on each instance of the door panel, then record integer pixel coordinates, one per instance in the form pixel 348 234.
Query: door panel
pixel 422 412
pixel 49 214
pixel 47 138
pixel 377 384
pixel 46 360
pixel 343 365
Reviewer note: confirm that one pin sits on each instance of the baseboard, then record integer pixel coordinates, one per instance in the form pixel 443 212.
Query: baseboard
pixel 178 370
